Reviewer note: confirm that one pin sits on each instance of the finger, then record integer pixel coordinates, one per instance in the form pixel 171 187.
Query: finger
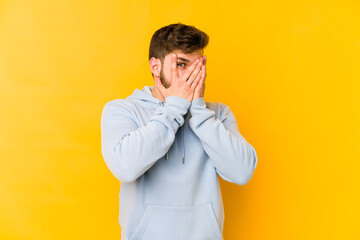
pixel 201 81
pixel 190 70
pixel 203 74
pixel 198 78
pixel 194 74
pixel 205 70
pixel 174 71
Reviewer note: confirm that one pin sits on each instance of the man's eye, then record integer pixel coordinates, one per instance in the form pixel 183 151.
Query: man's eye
pixel 180 64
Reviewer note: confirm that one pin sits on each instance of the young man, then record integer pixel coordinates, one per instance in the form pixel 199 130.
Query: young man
pixel 167 146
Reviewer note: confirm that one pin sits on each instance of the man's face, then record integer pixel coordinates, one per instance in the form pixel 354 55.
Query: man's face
pixel 184 61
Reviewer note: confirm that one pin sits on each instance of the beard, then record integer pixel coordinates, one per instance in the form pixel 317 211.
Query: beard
pixel 163 80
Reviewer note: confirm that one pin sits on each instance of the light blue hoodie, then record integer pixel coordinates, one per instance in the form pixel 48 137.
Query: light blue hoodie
pixel 168 156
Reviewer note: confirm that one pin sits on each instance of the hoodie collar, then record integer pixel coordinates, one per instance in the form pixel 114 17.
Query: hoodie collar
pixel 145 95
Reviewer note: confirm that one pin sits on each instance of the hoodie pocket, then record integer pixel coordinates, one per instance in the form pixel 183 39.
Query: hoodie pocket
pixel 194 222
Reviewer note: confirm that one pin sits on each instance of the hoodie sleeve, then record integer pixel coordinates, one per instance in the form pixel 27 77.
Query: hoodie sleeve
pixel 130 150
pixel 233 157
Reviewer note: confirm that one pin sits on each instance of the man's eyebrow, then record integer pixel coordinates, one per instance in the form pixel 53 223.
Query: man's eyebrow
pixel 183 59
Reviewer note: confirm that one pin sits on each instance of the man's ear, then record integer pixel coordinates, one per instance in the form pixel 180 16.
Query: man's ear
pixel 155 66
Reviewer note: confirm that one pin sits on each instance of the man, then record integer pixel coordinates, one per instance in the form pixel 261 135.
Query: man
pixel 168 146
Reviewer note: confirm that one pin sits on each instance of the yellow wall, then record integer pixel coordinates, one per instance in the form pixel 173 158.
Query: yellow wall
pixel 289 70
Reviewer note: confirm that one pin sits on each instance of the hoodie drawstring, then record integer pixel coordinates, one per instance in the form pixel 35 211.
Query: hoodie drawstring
pixel 182 146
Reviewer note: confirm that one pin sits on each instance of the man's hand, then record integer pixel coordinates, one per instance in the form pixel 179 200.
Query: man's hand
pixel 182 86
pixel 200 88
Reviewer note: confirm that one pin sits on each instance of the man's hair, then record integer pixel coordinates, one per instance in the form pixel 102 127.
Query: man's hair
pixel 177 37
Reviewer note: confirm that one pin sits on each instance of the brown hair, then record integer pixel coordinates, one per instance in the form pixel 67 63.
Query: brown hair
pixel 176 37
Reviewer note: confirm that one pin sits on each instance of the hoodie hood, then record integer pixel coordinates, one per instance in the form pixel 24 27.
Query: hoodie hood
pixel 145 97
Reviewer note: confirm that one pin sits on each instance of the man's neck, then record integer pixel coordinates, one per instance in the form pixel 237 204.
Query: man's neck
pixel 156 94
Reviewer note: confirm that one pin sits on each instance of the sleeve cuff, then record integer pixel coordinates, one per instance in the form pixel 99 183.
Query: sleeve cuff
pixel 199 102
pixel 179 102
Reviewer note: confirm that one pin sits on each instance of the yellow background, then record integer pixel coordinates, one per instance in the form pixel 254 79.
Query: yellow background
pixel 289 70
